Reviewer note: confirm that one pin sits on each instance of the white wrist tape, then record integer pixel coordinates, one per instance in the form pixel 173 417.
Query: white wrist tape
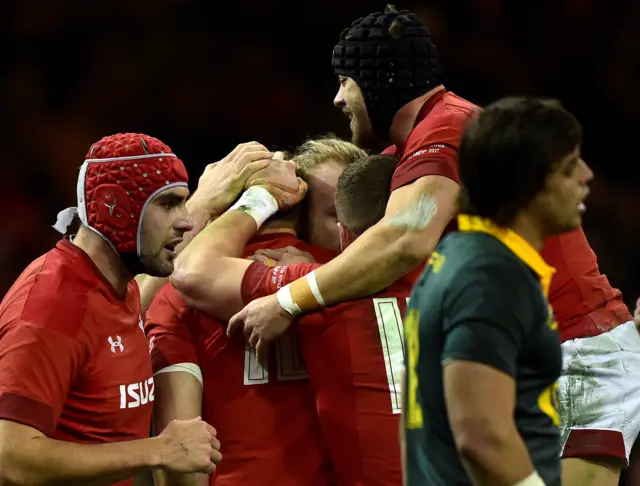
pixel 533 480
pixel 258 203
pixel 313 285
pixel 286 301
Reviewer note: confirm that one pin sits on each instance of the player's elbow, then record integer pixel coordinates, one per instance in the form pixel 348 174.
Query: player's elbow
pixel 186 281
pixel 413 248
pixel 477 438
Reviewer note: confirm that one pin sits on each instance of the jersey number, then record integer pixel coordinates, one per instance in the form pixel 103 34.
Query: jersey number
pixel 413 414
pixel 392 340
pixel 288 357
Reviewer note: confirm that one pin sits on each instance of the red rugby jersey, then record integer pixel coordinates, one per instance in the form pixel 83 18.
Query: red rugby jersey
pixel 355 358
pixel 584 302
pixel 74 360
pixel 265 417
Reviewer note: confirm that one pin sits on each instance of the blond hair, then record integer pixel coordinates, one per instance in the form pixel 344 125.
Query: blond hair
pixel 315 152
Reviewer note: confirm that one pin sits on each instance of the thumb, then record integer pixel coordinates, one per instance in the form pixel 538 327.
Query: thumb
pixel 302 188
pixel 235 322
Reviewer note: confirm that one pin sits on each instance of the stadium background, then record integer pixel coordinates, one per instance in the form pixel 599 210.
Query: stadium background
pixel 204 76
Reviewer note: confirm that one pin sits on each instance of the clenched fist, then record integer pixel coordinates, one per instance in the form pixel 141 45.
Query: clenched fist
pixel 279 178
pixel 189 446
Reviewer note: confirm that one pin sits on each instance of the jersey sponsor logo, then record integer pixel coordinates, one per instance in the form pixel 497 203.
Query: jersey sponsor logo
pixel 137 394
pixel 433 149
pixel 436 261
pixel 116 344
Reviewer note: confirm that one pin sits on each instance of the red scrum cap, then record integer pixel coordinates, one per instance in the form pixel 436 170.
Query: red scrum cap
pixel 120 176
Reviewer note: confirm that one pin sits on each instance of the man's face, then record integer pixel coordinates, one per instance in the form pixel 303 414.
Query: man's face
pixel 350 100
pixel 322 227
pixel 561 204
pixel 165 222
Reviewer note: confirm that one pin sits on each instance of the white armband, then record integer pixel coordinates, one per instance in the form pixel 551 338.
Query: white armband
pixel 533 480
pixel 258 203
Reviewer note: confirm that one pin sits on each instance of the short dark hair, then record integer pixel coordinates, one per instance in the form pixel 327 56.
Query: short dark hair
pixel 508 151
pixel 363 190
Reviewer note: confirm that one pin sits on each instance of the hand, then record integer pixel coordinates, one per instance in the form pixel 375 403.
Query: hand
pixel 636 314
pixel 283 256
pixel 262 321
pixel 222 182
pixel 189 446
pixel 279 178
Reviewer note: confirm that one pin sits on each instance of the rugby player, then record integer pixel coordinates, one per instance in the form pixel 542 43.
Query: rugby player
pixel 76 386
pixel 483 349
pixel 353 352
pixel 266 415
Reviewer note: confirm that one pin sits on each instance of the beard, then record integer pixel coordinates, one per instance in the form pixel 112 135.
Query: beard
pixel 149 263
pixel 363 136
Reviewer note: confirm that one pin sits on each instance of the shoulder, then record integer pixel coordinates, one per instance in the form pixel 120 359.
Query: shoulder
pixel 167 302
pixel 53 292
pixel 443 125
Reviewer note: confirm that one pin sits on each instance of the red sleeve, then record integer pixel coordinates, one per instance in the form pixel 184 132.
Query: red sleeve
pixel 260 280
pixel 167 328
pixel 37 367
pixel 432 159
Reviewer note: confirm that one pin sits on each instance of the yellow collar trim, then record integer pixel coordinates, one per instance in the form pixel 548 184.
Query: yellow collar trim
pixel 516 243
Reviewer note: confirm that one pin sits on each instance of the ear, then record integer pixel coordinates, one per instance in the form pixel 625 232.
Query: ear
pixel 346 236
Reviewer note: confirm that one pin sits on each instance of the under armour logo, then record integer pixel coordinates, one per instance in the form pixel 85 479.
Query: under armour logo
pixel 111 207
pixel 116 344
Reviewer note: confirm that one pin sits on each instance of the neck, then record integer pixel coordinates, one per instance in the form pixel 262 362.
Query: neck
pixel 103 256
pixel 529 229
pixel 278 226
pixel 405 118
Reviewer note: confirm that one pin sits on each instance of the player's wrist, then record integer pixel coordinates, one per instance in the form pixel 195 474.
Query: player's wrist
pixel 153 453
pixel 533 479
pixel 301 296
pixel 258 203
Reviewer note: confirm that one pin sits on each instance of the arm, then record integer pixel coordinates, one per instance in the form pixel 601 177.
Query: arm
pixel 417 215
pixel 488 442
pixel 178 397
pixel 177 374
pixel 209 272
pixel 484 329
pixel 28 457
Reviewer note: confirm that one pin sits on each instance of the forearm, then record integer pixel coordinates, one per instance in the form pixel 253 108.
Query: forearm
pixel 44 461
pixel 374 261
pixel 494 456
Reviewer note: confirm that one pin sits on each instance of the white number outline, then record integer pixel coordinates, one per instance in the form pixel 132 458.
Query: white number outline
pixel 391 330
pixel 290 365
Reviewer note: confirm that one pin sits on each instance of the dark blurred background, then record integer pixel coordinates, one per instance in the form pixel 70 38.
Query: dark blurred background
pixel 204 76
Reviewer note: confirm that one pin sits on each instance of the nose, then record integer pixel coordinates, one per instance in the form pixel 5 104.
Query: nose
pixel 587 173
pixel 183 222
pixel 338 101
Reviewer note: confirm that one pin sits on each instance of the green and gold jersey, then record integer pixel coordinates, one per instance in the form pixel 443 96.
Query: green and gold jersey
pixel 481 298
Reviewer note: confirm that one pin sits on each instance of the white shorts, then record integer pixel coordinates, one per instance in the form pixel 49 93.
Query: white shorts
pixel 600 394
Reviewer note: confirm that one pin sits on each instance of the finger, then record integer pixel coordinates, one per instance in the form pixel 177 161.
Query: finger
pixel 293 250
pixel 251 168
pixel 236 321
pixel 211 429
pixel 253 339
pixel 302 187
pixel 278 155
pixel 215 443
pixel 251 154
pixel 234 153
pixel 257 258
pixel 216 457
pixel 262 351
